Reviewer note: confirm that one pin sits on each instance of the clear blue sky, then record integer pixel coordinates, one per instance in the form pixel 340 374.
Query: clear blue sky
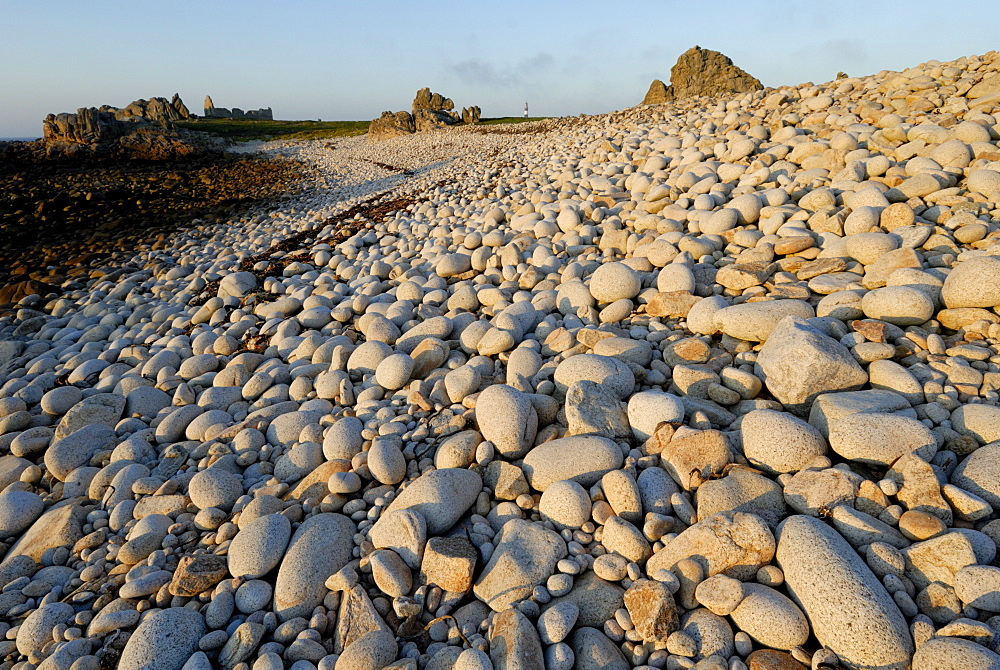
pixel 309 59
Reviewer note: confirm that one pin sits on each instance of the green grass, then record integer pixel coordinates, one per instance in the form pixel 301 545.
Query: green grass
pixel 511 119
pixel 242 130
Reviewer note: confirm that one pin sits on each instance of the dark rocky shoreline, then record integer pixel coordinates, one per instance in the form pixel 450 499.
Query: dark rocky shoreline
pixel 62 219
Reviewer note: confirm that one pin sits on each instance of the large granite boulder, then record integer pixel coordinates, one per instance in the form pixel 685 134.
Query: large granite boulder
pixel 390 125
pixel 701 72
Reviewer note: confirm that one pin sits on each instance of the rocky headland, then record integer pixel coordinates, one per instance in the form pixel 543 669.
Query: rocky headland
pixel 712 383
pixel 109 179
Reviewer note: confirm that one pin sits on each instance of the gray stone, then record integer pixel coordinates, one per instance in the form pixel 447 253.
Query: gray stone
pixel 979 586
pixel 938 559
pixel 849 609
pixel 241 644
pixel 525 556
pixel 76 449
pixel 582 458
pixel 647 409
pixel 556 622
pixel 59 400
pixel 215 487
pixel 163 641
pixel 59 526
pixel 799 363
pixel 566 504
pixel 831 407
pixel 694 457
pixel 18 510
pixel 356 618
pixel 146 401
pixel 373 651
pixel 343 439
pixel 591 409
pixel 711 633
pixel 879 439
pixel 899 305
pixel 981 422
pixel 623 538
pixel 259 546
pixel 778 442
pixel 755 321
pixel 731 543
pixel 979 474
pixel 405 532
pixel 319 547
pixel 595 598
pixel 507 418
pixel 102 408
pixel 237 285
pixel 742 490
pixel 974 282
pixel 440 496
pixel 514 644
pixel 36 630
pixel 615 375
pixel 595 651
pixel 954 653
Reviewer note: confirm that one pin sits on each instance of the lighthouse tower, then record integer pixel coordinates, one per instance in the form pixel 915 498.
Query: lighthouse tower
pixel 525 110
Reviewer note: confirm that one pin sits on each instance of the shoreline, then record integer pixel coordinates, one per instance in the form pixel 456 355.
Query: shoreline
pixel 62 217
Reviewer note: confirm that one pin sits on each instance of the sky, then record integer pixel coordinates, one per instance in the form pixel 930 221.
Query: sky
pixel 334 60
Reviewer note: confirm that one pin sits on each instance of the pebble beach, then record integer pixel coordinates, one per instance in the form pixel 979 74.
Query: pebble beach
pixel 711 384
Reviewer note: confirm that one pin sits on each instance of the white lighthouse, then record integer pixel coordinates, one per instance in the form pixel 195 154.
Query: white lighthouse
pixel 525 110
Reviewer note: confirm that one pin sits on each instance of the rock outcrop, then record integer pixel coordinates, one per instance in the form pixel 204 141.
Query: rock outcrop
pixel 435 102
pixel 121 133
pixel 154 109
pixel 701 72
pixel 390 125
pixel 213 112
pixel 471 114
pixel 179 105
pixel 429 111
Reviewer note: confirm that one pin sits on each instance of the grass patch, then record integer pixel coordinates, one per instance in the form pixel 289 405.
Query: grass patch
pixel 511 119
pixel 242 130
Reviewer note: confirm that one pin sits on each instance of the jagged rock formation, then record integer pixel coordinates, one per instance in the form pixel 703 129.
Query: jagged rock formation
pixel 701 72
pixel 179 105
pixel 154 109
pixel 658 92
pixel 390 125
pixel 213 112
pixel 429 111
pixel 119 133
pixel 432 111
pixel 425 99
pixel 471 114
